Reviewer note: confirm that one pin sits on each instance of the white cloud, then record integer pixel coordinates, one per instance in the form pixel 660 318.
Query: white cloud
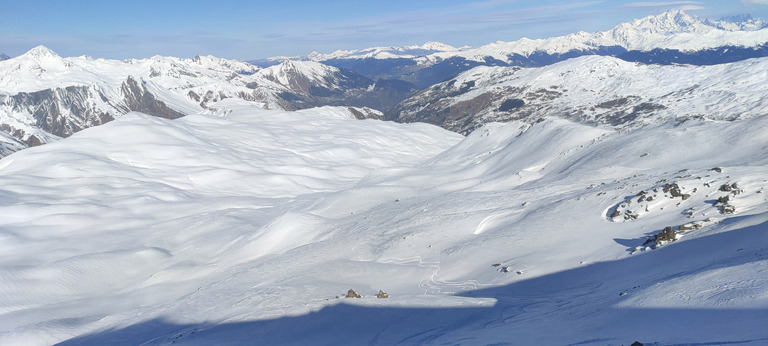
pixel 683 4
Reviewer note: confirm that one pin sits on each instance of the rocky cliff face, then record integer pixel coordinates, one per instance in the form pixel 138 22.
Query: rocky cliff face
pixel 60 112
pixel 137 98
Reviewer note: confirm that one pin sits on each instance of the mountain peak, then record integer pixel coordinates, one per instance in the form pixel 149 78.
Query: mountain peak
pixel 666 22
pixel 439 46
pixel 41 52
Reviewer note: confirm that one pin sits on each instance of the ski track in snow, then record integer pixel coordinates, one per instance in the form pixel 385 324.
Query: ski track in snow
pixel 246 228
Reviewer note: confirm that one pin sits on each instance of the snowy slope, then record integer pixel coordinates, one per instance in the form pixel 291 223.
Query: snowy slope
pixel 9 145
pixel 246 228
pixel 592 89
pixel 308 77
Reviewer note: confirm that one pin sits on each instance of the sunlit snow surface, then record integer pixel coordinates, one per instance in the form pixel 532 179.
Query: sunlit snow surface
pixel 245 228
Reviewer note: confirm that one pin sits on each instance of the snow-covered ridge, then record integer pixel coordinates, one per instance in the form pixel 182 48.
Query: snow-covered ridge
pixel 44 96
pixel 596 90
pixel 300 75
pixel 41 68
pixel 407 52
pixel 670 30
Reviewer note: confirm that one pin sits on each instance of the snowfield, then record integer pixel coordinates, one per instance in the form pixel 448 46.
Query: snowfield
pixel 249 226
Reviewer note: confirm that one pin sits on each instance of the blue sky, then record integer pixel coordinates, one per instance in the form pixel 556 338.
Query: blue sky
pixel 257 29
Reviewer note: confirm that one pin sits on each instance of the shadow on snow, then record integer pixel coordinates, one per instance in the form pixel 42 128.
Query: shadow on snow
pixel 580 306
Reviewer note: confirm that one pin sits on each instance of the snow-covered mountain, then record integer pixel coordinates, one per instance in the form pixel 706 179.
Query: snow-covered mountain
pixel 44 97
pixel 401 52
pixel 592 90
pixel 252 228
pixel 4 57
pixel 670 37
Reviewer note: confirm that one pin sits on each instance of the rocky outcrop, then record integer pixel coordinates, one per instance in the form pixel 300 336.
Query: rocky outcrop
pixel 9 145
pixel 59 112
pixel 352 294
pixel 138 99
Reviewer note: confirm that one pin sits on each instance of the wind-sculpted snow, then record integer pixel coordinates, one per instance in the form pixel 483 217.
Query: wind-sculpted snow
pixel 248 227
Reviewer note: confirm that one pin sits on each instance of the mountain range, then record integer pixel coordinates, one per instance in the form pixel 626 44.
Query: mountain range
pixel 596 90
pixel 667 38
pixel 44 97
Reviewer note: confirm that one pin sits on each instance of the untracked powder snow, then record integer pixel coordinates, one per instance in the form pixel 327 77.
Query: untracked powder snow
pixel 249 226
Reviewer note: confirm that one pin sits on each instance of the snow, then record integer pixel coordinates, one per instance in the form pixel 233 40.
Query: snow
pixel 9 144
pixel 185 85
pixel 669 30
pixel 300 75
pixel 402 52
pixel 597 87
pixel 244 226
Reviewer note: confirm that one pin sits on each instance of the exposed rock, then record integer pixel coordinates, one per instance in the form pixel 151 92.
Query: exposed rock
pixel 666 235
pixel 727 209
pixel 511 104
pixel 352 294
pixel 139 99
pixel 689 226
pixel 673 189
pixel 382 294
pixel 365 113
